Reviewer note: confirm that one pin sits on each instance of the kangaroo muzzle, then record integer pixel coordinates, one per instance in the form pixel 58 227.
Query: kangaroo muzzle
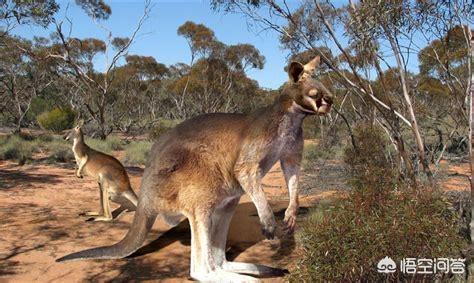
pixel 324 104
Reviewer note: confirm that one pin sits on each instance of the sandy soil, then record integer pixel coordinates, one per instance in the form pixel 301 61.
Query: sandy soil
pixel 39 207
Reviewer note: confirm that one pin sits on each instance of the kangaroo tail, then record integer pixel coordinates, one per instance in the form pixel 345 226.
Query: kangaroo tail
pixel 142 223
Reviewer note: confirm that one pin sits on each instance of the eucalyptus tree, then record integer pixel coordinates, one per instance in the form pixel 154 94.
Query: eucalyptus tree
pixel 136 90
pixel 43 13
pixel 216 78
pixel 368 40
pixel 76 64
pixel 22 78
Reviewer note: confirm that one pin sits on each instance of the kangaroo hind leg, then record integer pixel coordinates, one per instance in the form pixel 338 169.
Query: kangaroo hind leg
pixel 220 226
pixel 205 265
pixel 105 201
pixel 126 205
pixel 95 213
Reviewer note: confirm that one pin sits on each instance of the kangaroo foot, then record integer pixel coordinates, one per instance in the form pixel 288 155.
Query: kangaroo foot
pixel 254 269
pixel 90 213
pixel 222 276
pixel 100 218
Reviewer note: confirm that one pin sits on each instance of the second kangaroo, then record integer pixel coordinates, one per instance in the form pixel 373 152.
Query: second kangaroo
pixel 111 176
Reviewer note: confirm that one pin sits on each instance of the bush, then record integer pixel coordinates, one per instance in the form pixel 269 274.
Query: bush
pixel 136 153
pixel 59 151
pixel 15 148
pixel 45 138
pixel 312 153
pixel 99 145
pixel 311 127
pixel 114 142
pixel 373 174
pixel 107 146
pixel 382 216
pixel 3 140
pixel 345 242
pixel 161 127
pixel 319 151
pixel 57 119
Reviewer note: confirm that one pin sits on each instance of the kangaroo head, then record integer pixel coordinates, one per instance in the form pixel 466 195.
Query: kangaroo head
pixel 75 133
pixel 308 94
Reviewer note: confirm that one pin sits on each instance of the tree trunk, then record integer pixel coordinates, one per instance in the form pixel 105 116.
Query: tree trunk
pixel 406 96
pixel 470 255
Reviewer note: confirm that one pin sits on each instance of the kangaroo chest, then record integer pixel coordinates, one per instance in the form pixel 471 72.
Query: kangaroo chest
pixel 78 152
pixel 282 143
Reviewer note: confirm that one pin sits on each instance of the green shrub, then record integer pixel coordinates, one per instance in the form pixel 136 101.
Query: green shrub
pixel 45 138
pixel 39 104
pixel 311 127
pixel 107 146
pixel 57 119
pixel 161 127
pixel 344 243
pixel 136 153
pixel 314 152
pixel 382 216
pixel 16 148
pixel 3 140
pixel 311 153
pixel 373 174
pixel 58 151
pixel 114 142
pixel 99 145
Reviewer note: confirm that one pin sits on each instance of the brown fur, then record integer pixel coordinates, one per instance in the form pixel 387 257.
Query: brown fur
pixel 200 169
pixel 110 174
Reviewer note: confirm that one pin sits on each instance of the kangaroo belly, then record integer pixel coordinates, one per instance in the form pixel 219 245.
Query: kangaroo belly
pixel 90 171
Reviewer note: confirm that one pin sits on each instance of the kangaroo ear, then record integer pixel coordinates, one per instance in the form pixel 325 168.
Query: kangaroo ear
pixel 313 64
pixel 295 70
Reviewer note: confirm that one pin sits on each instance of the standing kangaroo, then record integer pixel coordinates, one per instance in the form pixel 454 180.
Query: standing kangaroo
pixel 109 173
pixel 202 167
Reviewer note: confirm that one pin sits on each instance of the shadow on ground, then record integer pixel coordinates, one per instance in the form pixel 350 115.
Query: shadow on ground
pixel 13 178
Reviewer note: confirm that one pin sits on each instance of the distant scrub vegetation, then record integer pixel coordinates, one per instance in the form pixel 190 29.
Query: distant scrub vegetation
pixel 137 153
pixel 56 120
pixel 108 145
pixel 52 148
